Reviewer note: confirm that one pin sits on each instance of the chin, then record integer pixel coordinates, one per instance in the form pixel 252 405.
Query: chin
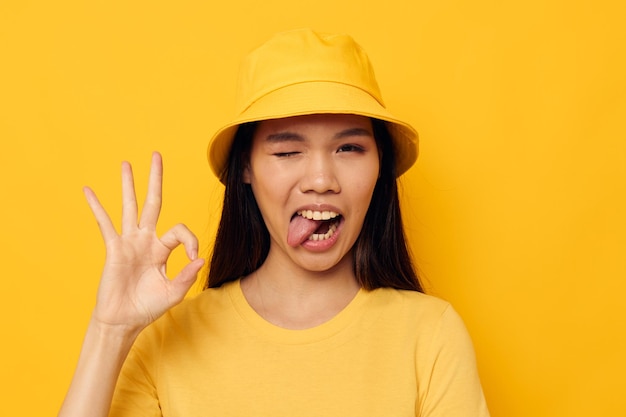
pixel 323 262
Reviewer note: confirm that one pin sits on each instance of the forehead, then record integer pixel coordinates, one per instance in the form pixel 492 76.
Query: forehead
pixel 314 124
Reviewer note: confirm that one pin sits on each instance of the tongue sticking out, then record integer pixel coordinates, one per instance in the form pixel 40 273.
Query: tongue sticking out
pixel 300 229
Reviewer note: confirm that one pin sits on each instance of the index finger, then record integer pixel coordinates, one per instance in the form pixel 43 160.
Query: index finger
pixel 152 205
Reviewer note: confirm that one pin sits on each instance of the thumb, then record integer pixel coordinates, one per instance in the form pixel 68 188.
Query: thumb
pixel 185 279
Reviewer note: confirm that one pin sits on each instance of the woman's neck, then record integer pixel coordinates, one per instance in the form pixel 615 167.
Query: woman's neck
pixel 293 298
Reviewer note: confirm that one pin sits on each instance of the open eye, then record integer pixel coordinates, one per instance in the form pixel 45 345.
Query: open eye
pixel 350 147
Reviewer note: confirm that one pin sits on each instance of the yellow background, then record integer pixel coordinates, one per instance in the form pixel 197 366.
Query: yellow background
pixel 515 210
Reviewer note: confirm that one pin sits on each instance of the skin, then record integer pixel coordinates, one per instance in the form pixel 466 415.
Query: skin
pixel 134 290
pixel 314 161
pixel 334 162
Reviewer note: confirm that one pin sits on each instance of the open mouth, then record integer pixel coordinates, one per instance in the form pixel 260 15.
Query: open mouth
pixel 312 225
pixel 327 223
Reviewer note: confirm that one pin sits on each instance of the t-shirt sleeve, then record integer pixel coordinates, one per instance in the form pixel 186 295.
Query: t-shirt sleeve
pixel 453 386
pixel 135 392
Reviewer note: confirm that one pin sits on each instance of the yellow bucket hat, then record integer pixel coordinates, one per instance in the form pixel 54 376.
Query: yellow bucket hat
pixel 304 72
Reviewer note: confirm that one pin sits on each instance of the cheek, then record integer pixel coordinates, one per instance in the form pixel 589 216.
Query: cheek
pixel 361 192
pixel 367 177
pixel 270 197
pixel 370 183
pixel 262 195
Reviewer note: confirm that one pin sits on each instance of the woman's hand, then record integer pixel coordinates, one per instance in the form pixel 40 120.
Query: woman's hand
pixel 134 291
pixel 134 288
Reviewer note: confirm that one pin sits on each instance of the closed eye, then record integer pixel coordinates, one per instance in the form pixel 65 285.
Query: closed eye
pixel 285 154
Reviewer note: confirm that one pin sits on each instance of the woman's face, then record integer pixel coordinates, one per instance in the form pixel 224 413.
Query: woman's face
pixel 313 178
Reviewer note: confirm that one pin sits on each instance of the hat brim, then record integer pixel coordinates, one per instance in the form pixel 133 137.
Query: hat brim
pixel 319 97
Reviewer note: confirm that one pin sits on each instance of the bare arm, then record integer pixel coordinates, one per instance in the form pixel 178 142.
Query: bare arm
pixel 134 291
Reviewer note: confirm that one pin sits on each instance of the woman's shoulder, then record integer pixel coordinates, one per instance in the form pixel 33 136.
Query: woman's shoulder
pixel 413 302
pixel 416 310
pixel 195 310
pixel 209 301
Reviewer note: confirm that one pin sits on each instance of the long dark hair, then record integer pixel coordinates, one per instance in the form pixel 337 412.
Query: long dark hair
pixel 381 255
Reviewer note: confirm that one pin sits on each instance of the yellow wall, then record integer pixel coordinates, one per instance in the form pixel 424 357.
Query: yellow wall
pixel 515 210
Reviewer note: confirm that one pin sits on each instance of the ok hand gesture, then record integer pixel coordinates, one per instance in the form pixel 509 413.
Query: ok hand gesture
pixel 134 288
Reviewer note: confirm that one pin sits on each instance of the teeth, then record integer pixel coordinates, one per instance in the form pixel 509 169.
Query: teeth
pixel 318 215
pixel 327 235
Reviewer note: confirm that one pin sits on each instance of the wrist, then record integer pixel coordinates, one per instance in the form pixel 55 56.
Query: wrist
pixel 120 332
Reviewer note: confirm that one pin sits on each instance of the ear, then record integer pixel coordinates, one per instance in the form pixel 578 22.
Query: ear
pixel 246 175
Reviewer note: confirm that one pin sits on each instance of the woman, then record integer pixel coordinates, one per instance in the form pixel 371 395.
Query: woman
pixel 312 306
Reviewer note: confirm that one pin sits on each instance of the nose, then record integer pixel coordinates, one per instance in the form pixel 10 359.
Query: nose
pixel 319 175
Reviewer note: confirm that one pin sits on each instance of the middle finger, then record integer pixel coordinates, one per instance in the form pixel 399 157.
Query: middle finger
pixel 152 205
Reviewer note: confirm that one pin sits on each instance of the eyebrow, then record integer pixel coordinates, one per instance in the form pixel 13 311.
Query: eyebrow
pixel 295 137
pixel 355 131
pixel 284 137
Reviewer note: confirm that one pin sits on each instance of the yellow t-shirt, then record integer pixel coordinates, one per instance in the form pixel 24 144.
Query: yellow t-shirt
pixel 389 353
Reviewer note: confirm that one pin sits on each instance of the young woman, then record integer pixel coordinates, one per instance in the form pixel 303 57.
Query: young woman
pixel 312 306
